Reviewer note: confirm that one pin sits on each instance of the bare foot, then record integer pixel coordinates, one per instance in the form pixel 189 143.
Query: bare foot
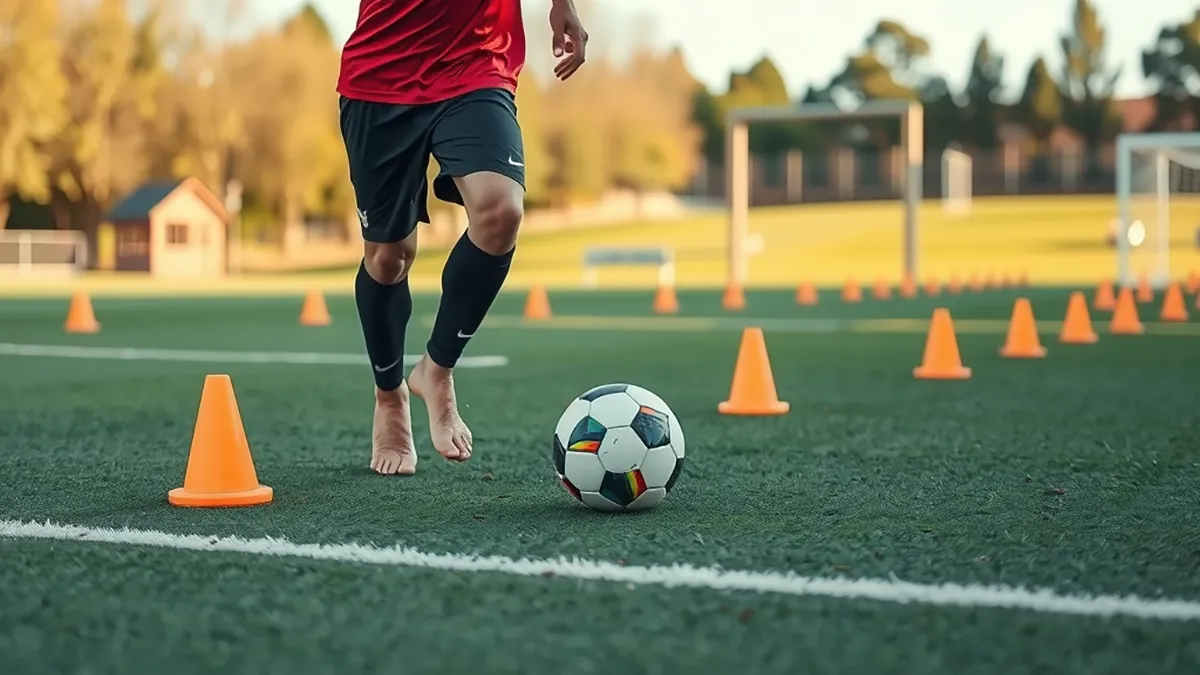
pixel 435 385
pixel 392 449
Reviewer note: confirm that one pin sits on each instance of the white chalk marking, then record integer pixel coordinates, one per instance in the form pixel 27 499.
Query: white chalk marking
pixel 673 576
pixel 205 356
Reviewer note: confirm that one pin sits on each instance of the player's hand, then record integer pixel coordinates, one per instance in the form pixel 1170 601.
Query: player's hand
pixel 570 39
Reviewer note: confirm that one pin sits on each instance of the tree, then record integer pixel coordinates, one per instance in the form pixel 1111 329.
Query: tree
pixel 32 99
pixel 1040 109
pixel 1172 63
pixel 985 84
pixel 1087 83
pixel 891 66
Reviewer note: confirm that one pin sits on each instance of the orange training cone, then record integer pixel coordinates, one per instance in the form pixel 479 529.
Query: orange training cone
pixel 1174 308
pixel 954 287
pixel 933 287
pixel 1145 292
pixel 665 300
pixel 806 294
pixel 882 290
pixel 734 298
pixel 1022 341
pixel 537 304
pixel 80 316
pixel 220 471
pixel 1077 326
pixel 1125 320
pixel 851 291
pixel 941 360
pixel 753 389
pixel 1193 282
pixel 975 284
pixel 908 287
pixel 314 312
pixel 1106 299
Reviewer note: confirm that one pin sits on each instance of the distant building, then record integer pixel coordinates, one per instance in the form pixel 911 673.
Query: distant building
pixel 169 229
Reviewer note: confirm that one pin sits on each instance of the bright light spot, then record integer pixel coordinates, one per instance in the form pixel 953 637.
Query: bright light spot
pixel 1136 233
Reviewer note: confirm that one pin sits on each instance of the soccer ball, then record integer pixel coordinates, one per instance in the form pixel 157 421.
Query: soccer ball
pixel 618 447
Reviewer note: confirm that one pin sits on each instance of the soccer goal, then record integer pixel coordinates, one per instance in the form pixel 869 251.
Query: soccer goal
pixel 956 182
pixel 737 167
pixel 42 252
pixel 1158 203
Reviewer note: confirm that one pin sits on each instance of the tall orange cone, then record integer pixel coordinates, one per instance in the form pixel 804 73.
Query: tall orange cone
pixel 806 294
pixel 1174 307
pixel 665 300
pixel 220 470
pixel 1125 319
pixel 882 289
pixel 1077 326
pixel 1106 299
pixel 941 359
pixel 851 291
pixel 537 304
pixel 1022 341
pixel 80 316
pixel 314 312
pixel 753 389
pixel 1145 292
pixel 908 287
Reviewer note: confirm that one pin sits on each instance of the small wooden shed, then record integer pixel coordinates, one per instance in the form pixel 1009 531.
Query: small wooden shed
pixel 169 229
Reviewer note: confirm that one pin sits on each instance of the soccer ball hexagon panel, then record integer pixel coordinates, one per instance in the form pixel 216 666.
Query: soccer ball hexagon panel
pixel 618 447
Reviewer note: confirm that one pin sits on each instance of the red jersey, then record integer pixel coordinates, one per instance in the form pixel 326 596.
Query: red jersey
pixel 423 51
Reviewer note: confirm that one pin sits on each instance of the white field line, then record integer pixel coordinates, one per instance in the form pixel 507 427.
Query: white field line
pixel 206 356
pixel 674 576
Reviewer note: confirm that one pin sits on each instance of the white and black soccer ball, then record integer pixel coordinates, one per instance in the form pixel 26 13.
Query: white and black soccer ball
pixel 618 447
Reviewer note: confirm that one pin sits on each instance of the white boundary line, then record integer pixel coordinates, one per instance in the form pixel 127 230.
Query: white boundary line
pixel 674 576
pixel 205 356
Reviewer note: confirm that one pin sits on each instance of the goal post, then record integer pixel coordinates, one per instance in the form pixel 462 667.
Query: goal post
pixel 1158 202
pixel 28 253
pixel 737 166
pixel 956 182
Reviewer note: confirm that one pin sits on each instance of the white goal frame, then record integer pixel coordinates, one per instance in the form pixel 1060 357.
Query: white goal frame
pixel 23 264
pixel 737 167
pixel 957 182
pixel 1162 145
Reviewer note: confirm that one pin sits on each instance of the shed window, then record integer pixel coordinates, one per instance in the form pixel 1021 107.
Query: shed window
pixel 177 234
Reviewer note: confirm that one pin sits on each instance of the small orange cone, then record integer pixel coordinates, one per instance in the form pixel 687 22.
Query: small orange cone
pixel 882 289
pixel 954 287
pixel 665 300
pixel 753 389
pixel 1145 293
pixel 1125 320
pixel 1105 300
pixel 1022 341
pixel 908 287
pixel 933 288
pixel 1193 282
pixel 734 299
pixel 941 360
pixel 537 304
pixel 806 294
pixel 975 284
pixel 80 316
pixel 1077 326
pixel 314 312
pixel 220 471
pixel 1174 307
pixel 851 292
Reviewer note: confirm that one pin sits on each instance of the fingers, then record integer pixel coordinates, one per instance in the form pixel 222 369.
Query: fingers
pixel 575 47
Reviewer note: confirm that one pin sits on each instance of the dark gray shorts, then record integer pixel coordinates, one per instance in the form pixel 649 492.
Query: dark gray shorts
pixel 389 147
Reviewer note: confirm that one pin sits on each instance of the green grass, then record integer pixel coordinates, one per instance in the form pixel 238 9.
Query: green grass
pixel 872 474
pixel 1055 240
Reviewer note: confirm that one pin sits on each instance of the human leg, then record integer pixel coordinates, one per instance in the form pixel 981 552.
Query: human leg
pixel 477 143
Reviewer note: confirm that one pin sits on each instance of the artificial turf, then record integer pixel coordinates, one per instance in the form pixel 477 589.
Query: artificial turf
pixel 1077 473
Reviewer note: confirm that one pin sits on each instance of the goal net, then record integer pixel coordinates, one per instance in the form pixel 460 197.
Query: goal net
pixel 1157 230
pixel 42 252
pixel 956 182
pixel 910 170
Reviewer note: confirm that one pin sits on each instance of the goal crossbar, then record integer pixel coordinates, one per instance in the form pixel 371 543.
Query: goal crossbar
pixel 737 166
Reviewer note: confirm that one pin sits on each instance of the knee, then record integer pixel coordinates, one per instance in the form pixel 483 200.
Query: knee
pixel 496 223
pixel 389 263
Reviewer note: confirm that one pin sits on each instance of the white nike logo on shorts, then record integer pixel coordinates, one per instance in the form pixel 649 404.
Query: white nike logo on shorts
pixel 514 162
pixel 387 368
